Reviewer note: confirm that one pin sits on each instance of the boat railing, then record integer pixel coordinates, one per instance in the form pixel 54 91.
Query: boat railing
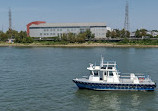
pixel 141 81
pixel 136 74
pixel 125 77
pixel 109 63
pixel 84 76
pixel 139 75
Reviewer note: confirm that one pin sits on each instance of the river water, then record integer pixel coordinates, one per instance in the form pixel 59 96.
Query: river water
pixel 40 79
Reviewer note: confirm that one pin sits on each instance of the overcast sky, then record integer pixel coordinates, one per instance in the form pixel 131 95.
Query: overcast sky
pixel 142 13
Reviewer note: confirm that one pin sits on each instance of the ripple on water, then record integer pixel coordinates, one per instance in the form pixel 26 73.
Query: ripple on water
pixel 40 79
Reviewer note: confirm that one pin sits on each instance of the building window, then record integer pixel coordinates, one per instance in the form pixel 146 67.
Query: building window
pixel 60 29
pixel 40 33
pixel 44 29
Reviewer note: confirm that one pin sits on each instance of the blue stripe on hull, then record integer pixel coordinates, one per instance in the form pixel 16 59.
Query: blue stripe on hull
pixel 113 87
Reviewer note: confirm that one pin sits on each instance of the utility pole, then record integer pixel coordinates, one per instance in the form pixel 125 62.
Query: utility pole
pixel 126 23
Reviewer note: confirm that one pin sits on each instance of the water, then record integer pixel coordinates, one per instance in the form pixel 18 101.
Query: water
pixel 40 79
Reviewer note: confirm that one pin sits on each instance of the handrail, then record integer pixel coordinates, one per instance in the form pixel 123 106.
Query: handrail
pixel 132 73
pixel 109 62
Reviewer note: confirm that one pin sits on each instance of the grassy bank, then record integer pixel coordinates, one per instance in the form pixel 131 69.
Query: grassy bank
pixel 86 44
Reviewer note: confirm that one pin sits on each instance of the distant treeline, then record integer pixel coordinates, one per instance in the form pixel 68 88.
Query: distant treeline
pixel 118 33
pixel 20 37
pixel 139 33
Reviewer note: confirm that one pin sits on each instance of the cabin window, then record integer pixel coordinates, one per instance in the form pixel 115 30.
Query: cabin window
pixel 109 67
pixel 110 73
pixel 96 73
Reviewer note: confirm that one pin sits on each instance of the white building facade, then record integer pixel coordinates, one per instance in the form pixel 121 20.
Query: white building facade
pixel 57 29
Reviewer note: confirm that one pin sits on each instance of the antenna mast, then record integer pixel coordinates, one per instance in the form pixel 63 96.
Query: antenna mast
pixel 10 19
pixel 126 24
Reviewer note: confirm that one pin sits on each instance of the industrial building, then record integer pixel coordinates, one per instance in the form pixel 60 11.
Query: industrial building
pixel 43 29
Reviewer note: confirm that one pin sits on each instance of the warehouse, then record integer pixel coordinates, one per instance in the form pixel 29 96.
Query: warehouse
pixel 43 29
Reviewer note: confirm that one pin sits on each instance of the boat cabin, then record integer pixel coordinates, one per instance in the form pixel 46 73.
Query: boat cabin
pixel 105 72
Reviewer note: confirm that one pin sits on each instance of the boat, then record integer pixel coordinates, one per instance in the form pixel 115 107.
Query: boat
pixel 106 77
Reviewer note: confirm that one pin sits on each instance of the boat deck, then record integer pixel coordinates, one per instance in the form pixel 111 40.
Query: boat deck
pixel 122 81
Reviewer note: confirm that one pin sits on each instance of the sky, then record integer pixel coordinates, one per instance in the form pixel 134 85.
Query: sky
pixel 142 13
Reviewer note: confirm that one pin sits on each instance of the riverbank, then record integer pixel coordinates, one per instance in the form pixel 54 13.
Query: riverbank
pixel 75 45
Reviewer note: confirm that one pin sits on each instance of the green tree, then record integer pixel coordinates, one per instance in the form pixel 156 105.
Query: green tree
pixel 123 33
pixel 127 34
pixel 143 32
pixel 21 37
pixel 3 37
pixel 108 34
pixel 118 34
pixel 64 37
pixel 113 34
pixel 137 33
pixel 81 37
pixel 89 34
pixel 71 37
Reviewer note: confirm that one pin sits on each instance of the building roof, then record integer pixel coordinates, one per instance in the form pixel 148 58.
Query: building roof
pixel 67 24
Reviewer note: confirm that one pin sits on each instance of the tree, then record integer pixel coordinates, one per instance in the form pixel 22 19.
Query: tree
pixel 137 33
pixel 71 37
pixel 3 37
pixel 141 33
pixel 108 34
pixel 123 33
pixel 64 37
pixel 22 38
pixel 127 34
pixel 118 34
pixel 113 34
pixel 89 34
pixel 81 37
